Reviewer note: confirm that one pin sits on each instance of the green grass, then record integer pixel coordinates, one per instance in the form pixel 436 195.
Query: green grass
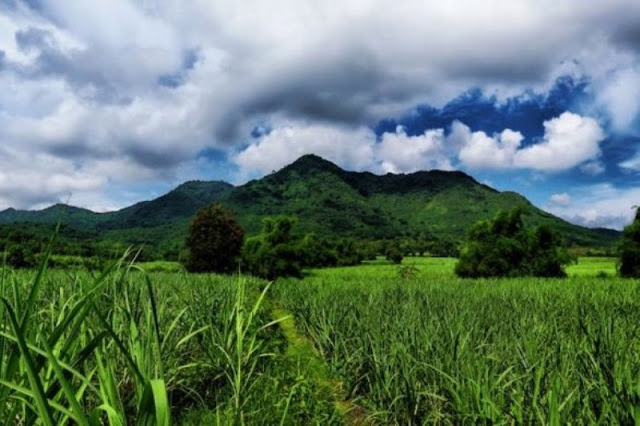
pixel 353 345
pixel 593 266
pixel 442 267
pixel 161 266
pixel 446 350
pixel 127 347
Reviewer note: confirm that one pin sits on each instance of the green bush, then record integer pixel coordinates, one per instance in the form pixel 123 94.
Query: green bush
pixel 504 248
pixel 274 253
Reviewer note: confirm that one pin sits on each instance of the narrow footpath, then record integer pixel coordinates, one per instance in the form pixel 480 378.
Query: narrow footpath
pixel 299 347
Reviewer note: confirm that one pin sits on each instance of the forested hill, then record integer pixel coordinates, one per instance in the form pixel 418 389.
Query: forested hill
pixel 326 200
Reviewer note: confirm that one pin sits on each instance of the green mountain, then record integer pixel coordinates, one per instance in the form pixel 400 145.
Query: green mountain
pixel 326 200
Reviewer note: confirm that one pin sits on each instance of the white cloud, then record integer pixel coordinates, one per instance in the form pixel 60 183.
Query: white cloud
pixel 479 151
pixel 351 148
pixel 621 97
pixel 400 153
pixel 632 164
pixel 36 179
pixel 563 199
pixel 568 141
pixel 601 205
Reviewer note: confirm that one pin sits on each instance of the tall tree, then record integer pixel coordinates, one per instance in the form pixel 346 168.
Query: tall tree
pixel 630 249
pixel 214 241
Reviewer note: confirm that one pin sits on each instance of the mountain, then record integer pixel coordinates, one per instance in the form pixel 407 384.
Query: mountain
pixel 179 204
pixel 329 200
pixel 326 200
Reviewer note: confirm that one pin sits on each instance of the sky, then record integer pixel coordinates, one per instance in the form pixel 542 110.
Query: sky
pixel 106 103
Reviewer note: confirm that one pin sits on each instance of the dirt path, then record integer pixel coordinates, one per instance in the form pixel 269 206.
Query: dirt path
pixel 318 370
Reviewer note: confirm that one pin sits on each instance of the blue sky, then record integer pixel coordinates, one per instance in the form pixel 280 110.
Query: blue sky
pixel 115 102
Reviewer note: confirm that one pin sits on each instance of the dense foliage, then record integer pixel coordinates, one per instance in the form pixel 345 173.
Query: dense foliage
pixel 630 249
pixel 273 253
pixel 505 248
pixel 214 242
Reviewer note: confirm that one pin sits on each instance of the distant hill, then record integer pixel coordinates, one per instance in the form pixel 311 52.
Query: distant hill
pixel 326 200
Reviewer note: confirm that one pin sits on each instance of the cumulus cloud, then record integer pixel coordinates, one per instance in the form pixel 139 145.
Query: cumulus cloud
pixel 480 151
pixel 568 141
pixel 400 153
pixel 351 148
pixel 41 179
pixel 145 86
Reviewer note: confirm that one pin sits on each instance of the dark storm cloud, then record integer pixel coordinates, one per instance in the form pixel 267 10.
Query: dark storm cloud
pixel 154 158
pixel 628 35
pixel 51 61
pixel 338 90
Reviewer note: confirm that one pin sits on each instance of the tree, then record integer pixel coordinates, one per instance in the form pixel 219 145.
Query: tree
pixel 505 248
pixel 274 253
pixel 630 249
pixel 214 241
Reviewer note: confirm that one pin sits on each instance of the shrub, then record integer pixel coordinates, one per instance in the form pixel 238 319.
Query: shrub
pixel 214 241
pixel 630 249
pixel 393 254
pixel 408 272
pixel 504 248
pixel 22 257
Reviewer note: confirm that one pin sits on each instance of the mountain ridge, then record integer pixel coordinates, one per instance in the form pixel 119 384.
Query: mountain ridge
pixel 326 199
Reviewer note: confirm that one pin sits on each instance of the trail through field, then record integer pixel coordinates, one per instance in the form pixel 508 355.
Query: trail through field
pixel 316 370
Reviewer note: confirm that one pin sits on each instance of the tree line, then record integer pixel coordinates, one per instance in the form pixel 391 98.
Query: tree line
pixel 502 247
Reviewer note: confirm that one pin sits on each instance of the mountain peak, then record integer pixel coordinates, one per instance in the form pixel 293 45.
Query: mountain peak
pixel 200 185
pixel 312 162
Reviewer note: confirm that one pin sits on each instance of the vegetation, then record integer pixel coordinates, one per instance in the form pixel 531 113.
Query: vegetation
pixel 630 249
pixel 505 248
pixel 391 341
pixel 514 351
pixel 393 254
pixel 427 212
pixel 214 242
pixel 128 347
pixel 273 254
pixel 117 349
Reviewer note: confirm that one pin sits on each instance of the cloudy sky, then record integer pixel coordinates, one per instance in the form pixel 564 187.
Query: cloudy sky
pixel 112 102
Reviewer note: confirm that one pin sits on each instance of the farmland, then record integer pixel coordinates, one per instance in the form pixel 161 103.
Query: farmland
pixel 364 344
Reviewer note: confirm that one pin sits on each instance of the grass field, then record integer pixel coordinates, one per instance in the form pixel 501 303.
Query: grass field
pixel 356 345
